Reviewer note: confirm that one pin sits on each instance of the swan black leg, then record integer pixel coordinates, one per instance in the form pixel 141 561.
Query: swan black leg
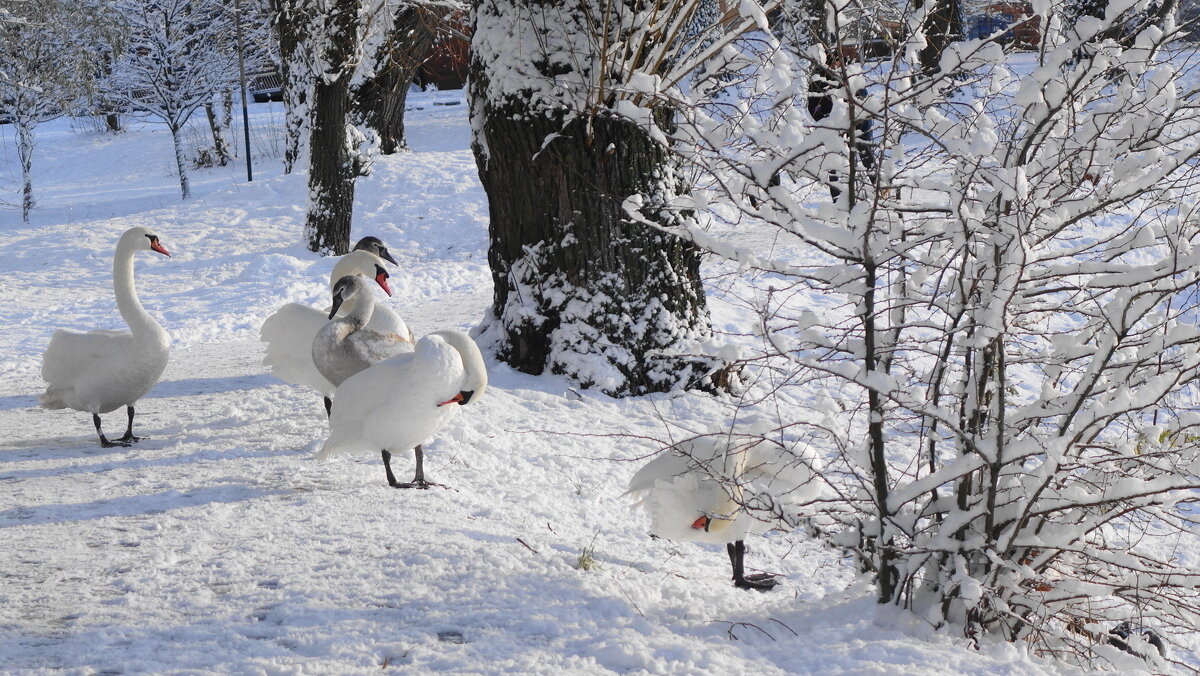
pixel 759 581
pixel 329 408
pixel 419 476
pixel 387 467
pixel 128 437
pixel 103 439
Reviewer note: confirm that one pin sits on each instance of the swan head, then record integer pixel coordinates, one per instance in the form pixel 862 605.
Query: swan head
pixel 477 378
pixel 362 263
pixel 141 238
pixel 374 245
pixel 351 287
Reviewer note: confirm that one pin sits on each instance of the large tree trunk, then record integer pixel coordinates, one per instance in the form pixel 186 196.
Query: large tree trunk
pixel 291 21
pixel 380 100
pixel 942 27
pixel 333 163
pixel 579 289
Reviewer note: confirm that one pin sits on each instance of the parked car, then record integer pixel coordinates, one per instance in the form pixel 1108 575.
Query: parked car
pixel 266 87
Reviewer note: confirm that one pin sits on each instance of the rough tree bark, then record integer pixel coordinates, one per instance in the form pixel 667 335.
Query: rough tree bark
pixel 579 289
pixel 333 162
pixel 380 100
pixel 291 22
pixel 942 27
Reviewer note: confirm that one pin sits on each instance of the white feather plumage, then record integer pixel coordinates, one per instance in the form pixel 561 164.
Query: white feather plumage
pixel 393 405
pixel 290 330
pixel 102 370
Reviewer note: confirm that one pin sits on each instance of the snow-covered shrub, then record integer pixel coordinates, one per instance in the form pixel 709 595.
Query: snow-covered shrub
pixel 977 288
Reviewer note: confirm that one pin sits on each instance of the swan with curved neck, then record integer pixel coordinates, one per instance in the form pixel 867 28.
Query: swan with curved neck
pixel 699 490
pixel 345 346
pixel 400 402
pixel 100 371
pixel 290 330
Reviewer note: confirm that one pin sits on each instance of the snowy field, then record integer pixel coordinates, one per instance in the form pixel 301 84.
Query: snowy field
pixel 220 546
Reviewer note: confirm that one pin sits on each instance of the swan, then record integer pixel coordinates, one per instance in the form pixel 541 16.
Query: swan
pixel 400 402
pixel 100 371
pixel 290 330
pixel 344 346
pixel 705 489
pixel 372 244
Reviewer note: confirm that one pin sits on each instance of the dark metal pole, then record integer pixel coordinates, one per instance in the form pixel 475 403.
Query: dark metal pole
pixel 237 6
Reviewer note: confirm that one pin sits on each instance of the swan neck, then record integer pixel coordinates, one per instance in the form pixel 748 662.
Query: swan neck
pixel 128 303
pixel 362 306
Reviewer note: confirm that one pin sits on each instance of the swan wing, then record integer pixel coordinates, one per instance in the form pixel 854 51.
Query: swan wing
pixel 386 320
pixel 376 346
pixel 393 404
pixel 358 399
pixel 80 367
pixel 289 334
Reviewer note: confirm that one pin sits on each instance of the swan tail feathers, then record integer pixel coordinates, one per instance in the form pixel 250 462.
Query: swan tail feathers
pixel 53 398
pixel 289 333
pixel 344 437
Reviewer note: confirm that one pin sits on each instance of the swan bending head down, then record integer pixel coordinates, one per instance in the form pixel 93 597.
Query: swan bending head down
pixel 400 402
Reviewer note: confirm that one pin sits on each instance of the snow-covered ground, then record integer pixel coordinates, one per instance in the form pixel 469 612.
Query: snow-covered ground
pixel 219 544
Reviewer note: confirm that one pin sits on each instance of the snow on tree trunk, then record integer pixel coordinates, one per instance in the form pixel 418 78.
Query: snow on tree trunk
pixel 185 186
pixel 334 163
pixel 380 98
pixel 580 290
pixel 25 153
pixel 221 153
pixel 291 19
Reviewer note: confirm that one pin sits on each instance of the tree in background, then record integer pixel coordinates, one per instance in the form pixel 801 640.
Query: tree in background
pixel 581 289
pixel 50 53
pixel 174 62
pixel 291 20
pixel 382 90
pixel 335 160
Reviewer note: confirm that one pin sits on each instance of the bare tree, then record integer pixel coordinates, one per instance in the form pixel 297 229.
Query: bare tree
pixel 173 63
pixel 402 49
pixel 49 54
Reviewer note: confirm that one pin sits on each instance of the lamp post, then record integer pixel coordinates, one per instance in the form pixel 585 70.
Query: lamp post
pixel 237 13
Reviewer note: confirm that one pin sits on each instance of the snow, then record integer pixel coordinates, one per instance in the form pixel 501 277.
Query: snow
pixel 219 544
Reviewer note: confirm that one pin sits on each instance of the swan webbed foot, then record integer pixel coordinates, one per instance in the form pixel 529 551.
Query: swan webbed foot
pixel 759 582
pixel 128 438
pixel 422 484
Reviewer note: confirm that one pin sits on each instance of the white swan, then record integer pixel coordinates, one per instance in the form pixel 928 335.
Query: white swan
pixel 400 402
pixel 100 371
pixel 719 488
pixel 344 346
pixel 290 330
